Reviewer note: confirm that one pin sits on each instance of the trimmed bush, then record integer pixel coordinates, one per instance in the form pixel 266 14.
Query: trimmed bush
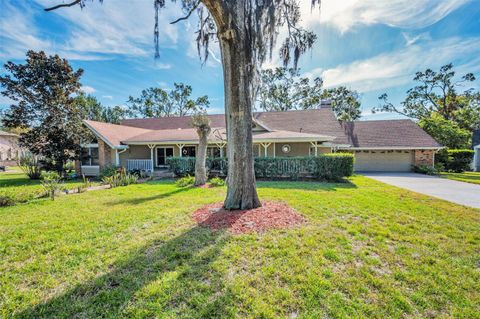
pixel 216 181
pixel 331 167
pixel 108 171
pixel 455 160
pixel 425 169
pixel 186 181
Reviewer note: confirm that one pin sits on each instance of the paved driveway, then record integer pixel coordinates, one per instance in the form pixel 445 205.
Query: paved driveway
pixel 453 191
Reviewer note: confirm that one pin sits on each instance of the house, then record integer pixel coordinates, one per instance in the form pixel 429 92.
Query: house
pixel 392 145
pixel 476 149
pixel 9 149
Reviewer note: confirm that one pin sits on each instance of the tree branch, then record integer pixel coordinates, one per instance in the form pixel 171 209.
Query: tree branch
pixel 71 4
pixel 188 14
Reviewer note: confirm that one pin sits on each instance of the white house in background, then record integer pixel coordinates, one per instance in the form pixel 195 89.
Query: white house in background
pixel 9 149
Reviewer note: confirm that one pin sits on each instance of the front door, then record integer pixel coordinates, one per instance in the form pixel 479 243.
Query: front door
pixel 162 154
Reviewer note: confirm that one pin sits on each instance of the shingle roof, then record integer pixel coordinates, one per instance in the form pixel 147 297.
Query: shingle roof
pixel 387 133
pixel 113 133
pixel 317 121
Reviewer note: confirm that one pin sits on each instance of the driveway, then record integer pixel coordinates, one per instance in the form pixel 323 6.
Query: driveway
pixel 453 191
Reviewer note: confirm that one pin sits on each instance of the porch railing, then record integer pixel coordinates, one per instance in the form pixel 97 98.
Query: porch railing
pixel 139 164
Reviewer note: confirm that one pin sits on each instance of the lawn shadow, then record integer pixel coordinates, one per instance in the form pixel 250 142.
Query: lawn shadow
pixel 307 185
pixel 140 200
pixel 183 277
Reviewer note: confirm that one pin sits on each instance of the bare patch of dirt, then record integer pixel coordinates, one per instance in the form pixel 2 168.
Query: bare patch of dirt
pixel 272 215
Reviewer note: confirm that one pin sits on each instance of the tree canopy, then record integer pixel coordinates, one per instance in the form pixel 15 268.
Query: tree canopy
pixel 441 95
pixel 42 91
pixel 157 102
pixel 92 109
pixel 345 103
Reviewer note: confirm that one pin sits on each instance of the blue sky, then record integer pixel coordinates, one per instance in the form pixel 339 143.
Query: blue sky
pixel 371 46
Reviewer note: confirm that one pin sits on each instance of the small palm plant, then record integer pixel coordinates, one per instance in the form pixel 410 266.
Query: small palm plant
pixel 52 183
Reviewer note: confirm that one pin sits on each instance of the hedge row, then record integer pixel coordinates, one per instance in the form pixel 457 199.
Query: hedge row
pixel 331 167
pixel 455 160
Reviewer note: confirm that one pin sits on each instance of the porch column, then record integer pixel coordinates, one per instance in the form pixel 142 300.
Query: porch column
pixel 152 147
pixel 315 145
pixel 265 148
pixel 117 158
pixel 180 148
pixel 274 150
pixel 221 146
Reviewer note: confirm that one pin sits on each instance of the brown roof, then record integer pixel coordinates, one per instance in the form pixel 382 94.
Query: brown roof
pixel 317 121
pixel 114 134
pixel 387 133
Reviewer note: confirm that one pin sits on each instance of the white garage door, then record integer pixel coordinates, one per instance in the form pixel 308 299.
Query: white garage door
pixel 384 161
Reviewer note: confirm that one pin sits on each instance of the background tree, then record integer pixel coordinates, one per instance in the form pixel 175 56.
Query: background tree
pixel 345 103
pixel 42 90
pixel 436 96
pixel 247 31
pixel 446 132
pixel 201 123
pixel 92 109
pixel 157 102
pixel 282 89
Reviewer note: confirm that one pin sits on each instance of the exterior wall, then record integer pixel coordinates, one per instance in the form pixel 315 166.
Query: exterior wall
pixel 135 152
pixel 9 150
pixel 424 157
pixel 105 154
pixel 476 159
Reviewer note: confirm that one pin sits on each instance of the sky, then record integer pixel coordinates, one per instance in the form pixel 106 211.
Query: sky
pixel 371 46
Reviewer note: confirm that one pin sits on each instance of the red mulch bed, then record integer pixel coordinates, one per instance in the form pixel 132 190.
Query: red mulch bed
pixel 272 215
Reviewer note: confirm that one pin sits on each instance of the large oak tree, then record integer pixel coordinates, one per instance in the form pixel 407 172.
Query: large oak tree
pixel 247 31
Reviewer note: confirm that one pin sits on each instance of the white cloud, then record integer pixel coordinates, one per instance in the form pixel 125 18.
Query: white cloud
pixel 87 89
pixel 163 66
pixel 410 14
pixel 413 39
pixel 108 97
pixel 398 67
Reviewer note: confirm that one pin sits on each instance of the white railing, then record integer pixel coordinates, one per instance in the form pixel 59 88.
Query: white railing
pixel 139 164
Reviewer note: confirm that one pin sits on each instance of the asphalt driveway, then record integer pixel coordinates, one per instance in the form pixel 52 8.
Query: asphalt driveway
pixel 453 191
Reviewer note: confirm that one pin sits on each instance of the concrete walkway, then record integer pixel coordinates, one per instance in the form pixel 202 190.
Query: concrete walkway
pixel 457 192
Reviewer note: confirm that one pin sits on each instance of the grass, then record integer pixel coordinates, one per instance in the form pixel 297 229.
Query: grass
pixel 468 177
pixel 15 184
pixel 368 250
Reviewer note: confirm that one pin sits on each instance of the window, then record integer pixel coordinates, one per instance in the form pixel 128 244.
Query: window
pixel 188 151
pixel 286 148
pixel 162 154
pixel 213 152
pixel 89 156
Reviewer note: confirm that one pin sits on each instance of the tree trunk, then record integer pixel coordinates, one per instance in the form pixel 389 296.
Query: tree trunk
pixel 238 70
pixel 201 157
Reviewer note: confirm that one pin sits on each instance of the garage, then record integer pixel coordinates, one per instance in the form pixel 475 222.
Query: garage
pixel 383 161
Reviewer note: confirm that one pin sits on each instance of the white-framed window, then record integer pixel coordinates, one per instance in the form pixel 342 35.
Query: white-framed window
pixel 89 156
pixel 286 148
pixel 161 155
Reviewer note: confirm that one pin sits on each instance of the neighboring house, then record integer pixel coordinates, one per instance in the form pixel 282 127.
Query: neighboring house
pixel 393 145
pixel 9 149
pixel 476 149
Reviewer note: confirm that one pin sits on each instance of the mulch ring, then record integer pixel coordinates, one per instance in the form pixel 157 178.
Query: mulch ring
pixel 272 215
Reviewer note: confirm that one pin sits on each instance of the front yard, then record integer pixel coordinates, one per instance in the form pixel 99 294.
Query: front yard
pixel 367 250
pixel 468 177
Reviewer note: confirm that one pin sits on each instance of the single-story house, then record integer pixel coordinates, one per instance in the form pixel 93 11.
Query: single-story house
pixel 390 145
pixel 476 149
pixel 9 149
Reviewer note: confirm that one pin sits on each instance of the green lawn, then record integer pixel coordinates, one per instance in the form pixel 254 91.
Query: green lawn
pixel 368 250
pixel 469 177
pixel 15 183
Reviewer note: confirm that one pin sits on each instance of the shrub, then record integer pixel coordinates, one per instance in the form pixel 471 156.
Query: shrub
pixel 216 181
pixel 6 200
pixel 30 165
pixel 186 181
pixel 459 160
pixel 52 183
pixel 120 179
pixel 332 167
pixel 108 171
pixel 85 185
pixel 425 169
